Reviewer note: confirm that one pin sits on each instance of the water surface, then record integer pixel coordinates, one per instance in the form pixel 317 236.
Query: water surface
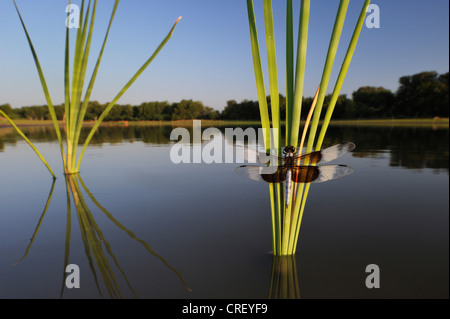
pixel 141 226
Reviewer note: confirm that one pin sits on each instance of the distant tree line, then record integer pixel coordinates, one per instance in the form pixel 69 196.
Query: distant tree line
pixel 422 95
pixel 147 111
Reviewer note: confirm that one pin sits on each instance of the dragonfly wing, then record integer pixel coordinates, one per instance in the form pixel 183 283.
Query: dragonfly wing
pixel 327 155
pixel 253 156
pixel 319 174
pixel 269 174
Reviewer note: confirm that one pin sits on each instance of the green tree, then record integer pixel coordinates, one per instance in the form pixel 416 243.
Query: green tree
pixel 59 110
pixel 373 102
pixel 151 111
pixel 12 113
pixel 94 110
pixel 120 113
pixel 187 109
pixel 423 94
pixel 246 110
pixel 35 112
pixel 345 108
pixel 7 109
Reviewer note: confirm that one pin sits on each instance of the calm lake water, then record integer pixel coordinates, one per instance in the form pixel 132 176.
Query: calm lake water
pixel 139 226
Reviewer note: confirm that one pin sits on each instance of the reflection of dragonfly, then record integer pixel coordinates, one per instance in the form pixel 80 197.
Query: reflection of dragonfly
pixel 297 169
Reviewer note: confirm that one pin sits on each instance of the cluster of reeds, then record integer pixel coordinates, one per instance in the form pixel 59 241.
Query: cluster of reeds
pixel 76 98
pixel 286 221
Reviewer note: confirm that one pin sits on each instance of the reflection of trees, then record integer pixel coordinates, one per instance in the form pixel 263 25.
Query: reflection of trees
pixel 7 136
pixel 96 246
pixel 105 134
pixel 410 147
pixel 122 134
pixel 35 133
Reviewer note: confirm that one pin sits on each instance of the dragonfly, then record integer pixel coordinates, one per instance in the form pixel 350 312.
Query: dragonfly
pixel 292 168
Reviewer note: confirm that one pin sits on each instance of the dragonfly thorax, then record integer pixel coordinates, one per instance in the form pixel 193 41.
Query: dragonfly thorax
pixel 289 150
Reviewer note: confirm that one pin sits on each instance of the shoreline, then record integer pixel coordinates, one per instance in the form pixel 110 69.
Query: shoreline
pixel 444 122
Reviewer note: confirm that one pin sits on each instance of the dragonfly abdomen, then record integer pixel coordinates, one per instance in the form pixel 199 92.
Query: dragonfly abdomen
pixel 288 186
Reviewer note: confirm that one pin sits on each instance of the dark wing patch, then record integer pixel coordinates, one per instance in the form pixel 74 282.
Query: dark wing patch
pixel 326 155
pixel 305 174
pixel 319 174
pixel 269 174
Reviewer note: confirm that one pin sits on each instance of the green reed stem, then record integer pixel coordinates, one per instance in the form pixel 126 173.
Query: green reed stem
pixel 259 78
pixel 67 79
pixel 332 49
pixel 79 115
pixel 276 227
pixel 335 95
pixel 51 109
pixel 28 141
pixel 274 96
pixel 75 108
pixel 87 96
pixel 342 74
pixel 289 68
pixel 298 188
pixel 273 74
pixel 76 78
pixel 294 126
pixel 119 95
pixel 293 112
pixel 264 115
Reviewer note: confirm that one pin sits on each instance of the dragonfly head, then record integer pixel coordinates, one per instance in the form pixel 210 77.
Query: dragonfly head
pixel 289 149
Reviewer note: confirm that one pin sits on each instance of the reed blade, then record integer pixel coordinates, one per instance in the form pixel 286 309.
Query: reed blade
pixel 51 109
pixel 67 77
pixel 82 73
pixel 259 78
pixel 87 96
pixel 331 54
pixel 124 89
pixel 299 72
pixel 342 73
pixel 335 95
pixel 74 106
pixel 28 141
pixel 273 74
pixel 289 67
pixel 274 103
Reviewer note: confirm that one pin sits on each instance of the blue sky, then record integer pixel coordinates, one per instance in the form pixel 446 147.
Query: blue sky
pixel 209 56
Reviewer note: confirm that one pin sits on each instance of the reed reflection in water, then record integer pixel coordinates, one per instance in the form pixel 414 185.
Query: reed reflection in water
pixel 98 250
pixel 284 283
